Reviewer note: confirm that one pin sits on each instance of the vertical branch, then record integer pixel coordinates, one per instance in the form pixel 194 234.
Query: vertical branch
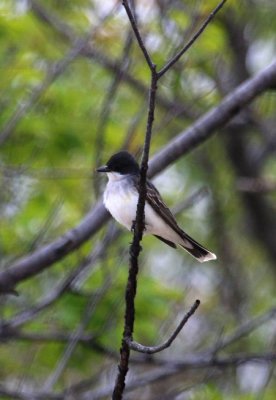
pixel 139 223
pixel 135 249
pixel 139 39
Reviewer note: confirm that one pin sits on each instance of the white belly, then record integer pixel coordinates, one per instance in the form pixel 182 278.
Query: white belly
pixel 121 202
pixel 122 205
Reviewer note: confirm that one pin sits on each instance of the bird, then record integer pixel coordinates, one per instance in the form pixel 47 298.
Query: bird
pixel 120 198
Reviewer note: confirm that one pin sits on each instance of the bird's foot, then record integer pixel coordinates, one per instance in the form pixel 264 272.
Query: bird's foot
pixel 133 225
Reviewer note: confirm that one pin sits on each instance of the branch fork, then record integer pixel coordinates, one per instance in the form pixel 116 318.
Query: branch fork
pixel 139 225
pixel 156 349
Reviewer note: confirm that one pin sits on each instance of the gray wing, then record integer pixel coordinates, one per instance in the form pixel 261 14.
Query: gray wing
pixel 156 202
pixel 192 246
pixel 154 199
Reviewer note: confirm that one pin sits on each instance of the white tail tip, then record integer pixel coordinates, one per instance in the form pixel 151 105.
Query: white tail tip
pixel 208 257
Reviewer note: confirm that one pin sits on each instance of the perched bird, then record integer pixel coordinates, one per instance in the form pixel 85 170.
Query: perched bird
pixel 121 197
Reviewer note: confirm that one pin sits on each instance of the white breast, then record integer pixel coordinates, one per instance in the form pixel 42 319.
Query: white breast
pixel 120 201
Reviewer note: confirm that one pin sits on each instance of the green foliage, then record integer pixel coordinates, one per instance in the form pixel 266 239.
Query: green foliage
pixel 47 185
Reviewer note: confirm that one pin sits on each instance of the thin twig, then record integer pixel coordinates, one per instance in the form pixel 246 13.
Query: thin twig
pixel 191 200
pixel 107 104
pixel 191 41
pixel 137 35
pixel 214 119
pixel 168 371
pixel 75 276
pixel 155 349
pixel 256 185
pixel 52 74
pixel 47 224
pixel 78 333
pixel 244 330
pixel 57 69
pixel 81 390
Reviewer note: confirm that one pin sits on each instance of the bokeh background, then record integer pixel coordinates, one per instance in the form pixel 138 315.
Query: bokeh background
pixel 74 89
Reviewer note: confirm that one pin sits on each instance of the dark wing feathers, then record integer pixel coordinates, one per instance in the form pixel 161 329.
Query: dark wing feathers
pixel 155 200
pixel 168 242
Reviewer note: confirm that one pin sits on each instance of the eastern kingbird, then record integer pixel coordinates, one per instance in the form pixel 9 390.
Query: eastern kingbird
pixel 121 197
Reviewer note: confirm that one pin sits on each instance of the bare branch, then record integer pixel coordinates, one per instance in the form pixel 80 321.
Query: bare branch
pixel 53 73
pixel 77 273
pixel 82 388
pixel 244 329
pixel 27 395
pixel 139 222
pixel 214 119
pixel 137 35
pixel 192 40
pixel 155 349
pixel 78 333
pixel 170 369
pixel 191 200
pixel 47 17
pixel 135 247
pixel 256 185
pixel 42 258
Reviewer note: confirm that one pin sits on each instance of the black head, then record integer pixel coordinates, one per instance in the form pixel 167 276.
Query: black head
pixel 122 163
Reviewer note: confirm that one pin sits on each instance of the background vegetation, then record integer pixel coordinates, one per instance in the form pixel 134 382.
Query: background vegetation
pixel 73 91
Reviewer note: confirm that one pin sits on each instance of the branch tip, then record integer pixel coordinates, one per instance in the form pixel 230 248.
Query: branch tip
pixel 184 49
pixel 156 349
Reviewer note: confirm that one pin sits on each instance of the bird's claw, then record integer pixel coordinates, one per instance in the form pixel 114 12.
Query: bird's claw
pixel 133 225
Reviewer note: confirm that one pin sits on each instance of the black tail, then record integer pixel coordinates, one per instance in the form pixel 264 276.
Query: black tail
pixel 196 249
pixel 192 247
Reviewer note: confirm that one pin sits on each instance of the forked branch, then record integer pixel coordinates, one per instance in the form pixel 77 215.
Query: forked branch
pixel 156 349
pixel 135 248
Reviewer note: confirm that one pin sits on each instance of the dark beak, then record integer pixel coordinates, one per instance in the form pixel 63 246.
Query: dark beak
pixel 104 168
